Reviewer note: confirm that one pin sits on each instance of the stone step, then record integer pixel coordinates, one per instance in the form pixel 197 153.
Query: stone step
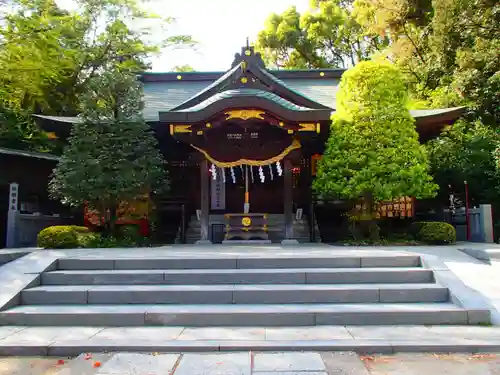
pixel 240 276
pixel 297 261
pixel 235 315
pixel 234 294
pixel 72 341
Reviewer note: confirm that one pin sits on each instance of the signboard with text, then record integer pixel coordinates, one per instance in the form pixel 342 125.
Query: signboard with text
pixel 218 192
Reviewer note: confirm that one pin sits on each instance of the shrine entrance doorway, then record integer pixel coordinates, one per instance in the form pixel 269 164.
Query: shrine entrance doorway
pixel 265 196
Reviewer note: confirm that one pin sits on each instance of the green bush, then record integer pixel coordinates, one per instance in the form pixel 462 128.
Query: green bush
pixel 61 237
pixel 96 241
pixel 435 232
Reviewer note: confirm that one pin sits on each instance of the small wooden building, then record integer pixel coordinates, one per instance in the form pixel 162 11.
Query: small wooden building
pixel 245 140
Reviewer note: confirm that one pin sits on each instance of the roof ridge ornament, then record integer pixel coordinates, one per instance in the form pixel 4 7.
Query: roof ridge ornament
pixel 248 56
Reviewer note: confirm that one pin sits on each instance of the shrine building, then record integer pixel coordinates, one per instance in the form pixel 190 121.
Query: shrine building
pixel 242 145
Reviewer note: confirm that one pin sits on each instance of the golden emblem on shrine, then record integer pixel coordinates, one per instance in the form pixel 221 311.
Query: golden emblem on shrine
pixel 246 221
pixel 179 129
pixel 245 114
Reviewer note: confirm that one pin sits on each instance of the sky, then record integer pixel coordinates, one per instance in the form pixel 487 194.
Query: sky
pixel 220 26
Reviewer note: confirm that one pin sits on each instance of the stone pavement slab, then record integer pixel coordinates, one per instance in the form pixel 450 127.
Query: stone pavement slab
pixel 418 364
pixel 84 364
pixel 309 333
pixel 344 363
pixel 215 364
pixel 297 363
pixel 28 366
pixel 139 364
pixel 282 362
pixel 139 333
pixel 9 330
pixel 71 341
pixel 223 333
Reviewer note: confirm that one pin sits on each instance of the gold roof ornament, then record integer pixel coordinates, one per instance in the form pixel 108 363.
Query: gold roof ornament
pixel 179 129
pixel 245 114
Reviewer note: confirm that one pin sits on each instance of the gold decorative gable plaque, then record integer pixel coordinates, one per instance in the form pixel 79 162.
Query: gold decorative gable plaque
pixel 310 127
pixel 245 114
pixel 179 129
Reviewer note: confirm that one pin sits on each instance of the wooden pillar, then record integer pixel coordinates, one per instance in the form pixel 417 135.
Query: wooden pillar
pixel 204 203
pixel 288 200
pixel 309 194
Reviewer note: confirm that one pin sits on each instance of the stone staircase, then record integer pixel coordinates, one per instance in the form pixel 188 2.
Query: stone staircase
pixel 276 228
pixel 210 289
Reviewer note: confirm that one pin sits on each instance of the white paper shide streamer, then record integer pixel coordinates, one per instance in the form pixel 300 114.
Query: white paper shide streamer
pixel 233 175
pixel 278 168
pixel 213 169
pixel 223 171
pixel 271 171
pixel 261 174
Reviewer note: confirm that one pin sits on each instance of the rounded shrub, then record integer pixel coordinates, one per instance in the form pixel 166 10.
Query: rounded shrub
pixel 435 232
pixel 61 236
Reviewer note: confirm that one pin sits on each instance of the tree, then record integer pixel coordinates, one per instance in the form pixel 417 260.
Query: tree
pixel 48 55
pixel 466 152
pixel 327 36
pixel 373 150
pixel 112 156
pixel 448 49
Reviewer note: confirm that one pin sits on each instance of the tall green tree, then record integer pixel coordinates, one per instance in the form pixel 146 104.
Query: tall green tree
pixel 48 55
pixel 447 48
pixel 112 156
pixel 373 152
pixel 327 36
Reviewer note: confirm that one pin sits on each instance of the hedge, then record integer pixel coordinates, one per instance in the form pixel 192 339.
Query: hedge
pixel 61 237
pixel 435 232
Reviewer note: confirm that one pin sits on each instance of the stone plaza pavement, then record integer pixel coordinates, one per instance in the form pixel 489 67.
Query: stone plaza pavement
pixel 255 363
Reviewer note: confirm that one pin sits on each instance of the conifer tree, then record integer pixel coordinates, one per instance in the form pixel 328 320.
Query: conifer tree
pixel 112 154
pixel 373 151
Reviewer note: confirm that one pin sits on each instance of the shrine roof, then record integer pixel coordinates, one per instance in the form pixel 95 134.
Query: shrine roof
pixel 28 154
pixel 241 93
pixel 168 92
pixel 295 94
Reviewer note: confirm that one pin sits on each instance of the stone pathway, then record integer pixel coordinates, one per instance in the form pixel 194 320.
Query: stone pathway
pixel 249 363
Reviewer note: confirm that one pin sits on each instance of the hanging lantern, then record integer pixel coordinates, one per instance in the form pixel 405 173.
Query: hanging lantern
pixel 271 171
pixel 233 175
pixel 278 168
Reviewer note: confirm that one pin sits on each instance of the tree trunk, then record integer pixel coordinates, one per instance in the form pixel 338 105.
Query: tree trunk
pixel 109 216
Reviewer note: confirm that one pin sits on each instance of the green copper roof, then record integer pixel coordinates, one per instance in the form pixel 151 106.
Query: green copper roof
pixel 211 86
pixel 238 93
pixel 164 96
